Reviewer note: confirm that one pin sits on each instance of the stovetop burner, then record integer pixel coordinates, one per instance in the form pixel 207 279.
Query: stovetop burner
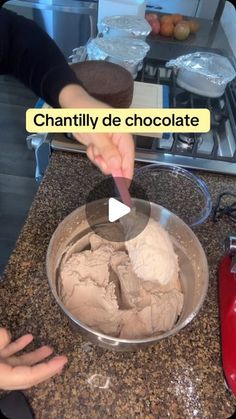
pixel 187 141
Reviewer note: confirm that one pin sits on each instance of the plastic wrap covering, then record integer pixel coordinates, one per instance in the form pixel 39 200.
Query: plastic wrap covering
pixel 125 26
pixel 216 68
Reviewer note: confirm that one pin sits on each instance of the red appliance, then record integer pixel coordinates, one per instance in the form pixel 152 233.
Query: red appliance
pixel 227 300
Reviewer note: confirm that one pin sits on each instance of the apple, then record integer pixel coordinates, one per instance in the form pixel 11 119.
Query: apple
pixel 182 30
pixel 194 26
pixel 166 19
pixel 150 17
pixel 167 29
pixel 155 24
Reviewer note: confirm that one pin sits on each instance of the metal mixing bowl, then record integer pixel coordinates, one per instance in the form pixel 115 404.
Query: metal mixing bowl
pixel 192 262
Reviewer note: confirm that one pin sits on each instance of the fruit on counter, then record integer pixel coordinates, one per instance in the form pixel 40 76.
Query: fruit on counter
pixel 150 17
pixel 166 19
pixel 194 26
pixel 155 27
pixel 176 18
pixel 182 30
pixel 154 22
pixel 167 29
pixel 172 25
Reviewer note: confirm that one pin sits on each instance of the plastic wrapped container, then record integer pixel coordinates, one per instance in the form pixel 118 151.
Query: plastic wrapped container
pixel 176 189
pixel 127 52
pixel 203 73
pixel 125 27
pixel 120 7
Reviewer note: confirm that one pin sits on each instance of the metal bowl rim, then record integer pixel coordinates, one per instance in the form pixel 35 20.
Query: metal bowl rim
pixel 107 338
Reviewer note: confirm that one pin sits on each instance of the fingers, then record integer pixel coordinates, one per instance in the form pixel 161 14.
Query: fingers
pixel 90 153
pixel 96 159
pixel 20 378
pixel 102 165
pixel 16 346
pixel 44 371
pixel 128 160
pixel 5 338
pixel 109 152
pixel 104 147
pixel 125 145
pixel 31 358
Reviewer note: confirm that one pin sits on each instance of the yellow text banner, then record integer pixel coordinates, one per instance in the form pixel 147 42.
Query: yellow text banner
pixel 118 120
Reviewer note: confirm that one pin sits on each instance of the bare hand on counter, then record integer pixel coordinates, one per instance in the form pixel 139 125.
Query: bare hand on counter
pixel 107 151
pixel 24 371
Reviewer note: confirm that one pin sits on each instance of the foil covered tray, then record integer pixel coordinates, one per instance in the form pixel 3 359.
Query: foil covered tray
pixel 124 26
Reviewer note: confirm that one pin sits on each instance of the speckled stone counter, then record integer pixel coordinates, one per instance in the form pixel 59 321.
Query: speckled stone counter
pixel 180 377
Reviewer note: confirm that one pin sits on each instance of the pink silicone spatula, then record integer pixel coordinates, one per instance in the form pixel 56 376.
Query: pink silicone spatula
pixel 122 187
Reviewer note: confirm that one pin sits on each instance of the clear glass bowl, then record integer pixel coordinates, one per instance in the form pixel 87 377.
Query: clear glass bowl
pixel 176 189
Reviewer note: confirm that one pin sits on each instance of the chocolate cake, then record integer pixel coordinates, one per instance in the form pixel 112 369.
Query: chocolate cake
pixel 106 81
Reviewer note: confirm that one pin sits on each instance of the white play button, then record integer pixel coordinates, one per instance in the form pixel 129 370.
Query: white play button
pixel 116 210
pixel 104 207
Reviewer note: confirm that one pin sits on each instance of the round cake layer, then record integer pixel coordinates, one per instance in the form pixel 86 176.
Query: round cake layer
pixel 106 81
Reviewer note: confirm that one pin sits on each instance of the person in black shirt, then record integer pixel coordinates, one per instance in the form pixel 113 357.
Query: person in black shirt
pixel 30 55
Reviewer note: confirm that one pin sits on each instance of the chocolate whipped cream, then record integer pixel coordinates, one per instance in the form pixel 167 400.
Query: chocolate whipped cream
pixel 127 289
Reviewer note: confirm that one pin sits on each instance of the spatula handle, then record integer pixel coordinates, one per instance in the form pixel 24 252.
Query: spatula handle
pixel 120 184
pixel 122 187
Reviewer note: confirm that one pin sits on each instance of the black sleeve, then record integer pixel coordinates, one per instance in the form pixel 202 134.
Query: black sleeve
pixel 30 55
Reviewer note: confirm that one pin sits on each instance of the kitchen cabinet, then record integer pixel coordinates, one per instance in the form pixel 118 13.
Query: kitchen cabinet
pixel 201 8
pixel 185 7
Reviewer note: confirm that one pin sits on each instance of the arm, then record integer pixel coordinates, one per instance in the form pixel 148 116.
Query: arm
pixel 29 54
pixel 106 151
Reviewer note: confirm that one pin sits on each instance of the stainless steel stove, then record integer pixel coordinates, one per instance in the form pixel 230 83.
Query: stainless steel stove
pixel 214 151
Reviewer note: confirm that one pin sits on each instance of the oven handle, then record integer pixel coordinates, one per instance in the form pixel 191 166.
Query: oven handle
pixel 40 143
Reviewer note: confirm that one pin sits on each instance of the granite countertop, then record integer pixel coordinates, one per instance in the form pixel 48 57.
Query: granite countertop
pixel 180 377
